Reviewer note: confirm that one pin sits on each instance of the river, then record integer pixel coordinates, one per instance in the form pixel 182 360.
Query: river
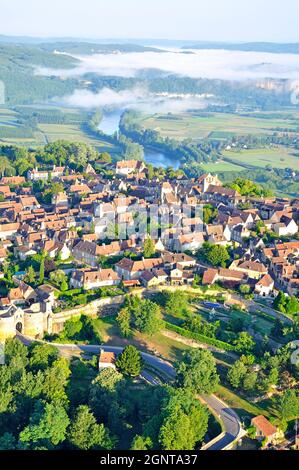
pixel 110 124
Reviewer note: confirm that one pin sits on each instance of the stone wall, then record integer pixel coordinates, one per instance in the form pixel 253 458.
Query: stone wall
pixel 93 309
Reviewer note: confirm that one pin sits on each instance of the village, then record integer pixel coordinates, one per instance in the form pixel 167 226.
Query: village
pixel 95 233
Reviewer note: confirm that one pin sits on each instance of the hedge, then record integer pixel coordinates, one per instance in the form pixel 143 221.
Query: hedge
pixel 199 337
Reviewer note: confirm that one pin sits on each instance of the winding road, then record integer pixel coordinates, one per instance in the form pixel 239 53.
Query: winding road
pixel 231 422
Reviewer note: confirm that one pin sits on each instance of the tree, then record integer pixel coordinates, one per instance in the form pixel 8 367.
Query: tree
pixel 184 422
pixel 292 306
pixel 30 277
pixel 42 356
pixel 85 433
pixel 16 354
pixel 246 187
pixel 42 270
pixel 148 248
pixel 209 213
pixel 6 389
pixel 104 397
pixel 141 443
pixel 72 327
pixel 48 425
pixel 236 374
pixel 284 304
pixel 288 405
pixel 197 372
pixel 244 342
pixel 129 362
pixel 244 289
pixel 7 441
pixel 277 330
pixel 249 381
pixel 216 255
pixel 56 379
pixel 148 318
pixel 60 279
pixel 176 303
pixel 280 302
pixel 124 321
pixel 105 157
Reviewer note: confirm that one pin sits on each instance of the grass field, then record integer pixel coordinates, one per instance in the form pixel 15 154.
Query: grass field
pixel 241 406
pixel 221 166
pixel 46 133
pixel 157 344
pixel 7 117
pixel 215 125
pixel 52 132
pixel 278 157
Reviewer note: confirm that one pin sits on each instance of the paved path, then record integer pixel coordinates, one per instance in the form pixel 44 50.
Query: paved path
pixel 229 418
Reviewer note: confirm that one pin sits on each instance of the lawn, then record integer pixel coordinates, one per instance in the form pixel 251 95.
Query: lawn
pixel 241 406
pixel 158 344
pixel 278 157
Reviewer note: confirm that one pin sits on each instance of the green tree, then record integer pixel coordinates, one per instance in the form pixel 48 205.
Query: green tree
pixel 30 276
pixel 184 422
pixel 85 433
pixel 141 443
pixel 56 379
pixel 176 303
pixel 7 441
pixel 209 213
pixel 72 327
pixel 48 425
pixel 104 398
pixel 244 289
pixel 236 374
pixel 197 372
pixel 6 389
pixel 249 381
pixel 244 342
pixel 216 255
pixel 129 362
pixel 42 356
pixel 124 321
pixel 42 270
pixel 105 157
pixel 148 318
pixel 60 279
pixel 148 248
pixel 280 302
pixel 288 405
pixel 16 355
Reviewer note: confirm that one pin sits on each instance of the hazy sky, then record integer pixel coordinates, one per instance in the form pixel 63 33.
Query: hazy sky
pixel 227 20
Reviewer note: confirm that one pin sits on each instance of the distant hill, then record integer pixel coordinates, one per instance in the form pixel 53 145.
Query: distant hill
pixel 277 48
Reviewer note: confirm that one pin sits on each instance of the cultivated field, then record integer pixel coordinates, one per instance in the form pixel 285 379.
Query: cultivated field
pixel 52 132
pixel 278 157
pixel 12 132
pixel 218 126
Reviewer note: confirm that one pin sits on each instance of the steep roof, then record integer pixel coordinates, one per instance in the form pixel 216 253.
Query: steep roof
pixel 262 423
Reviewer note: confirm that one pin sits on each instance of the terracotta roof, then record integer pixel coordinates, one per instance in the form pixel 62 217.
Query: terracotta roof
pixel 265 281
pixel 209 276
pixel 252 266
pixel 107 357
pixel 264 425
